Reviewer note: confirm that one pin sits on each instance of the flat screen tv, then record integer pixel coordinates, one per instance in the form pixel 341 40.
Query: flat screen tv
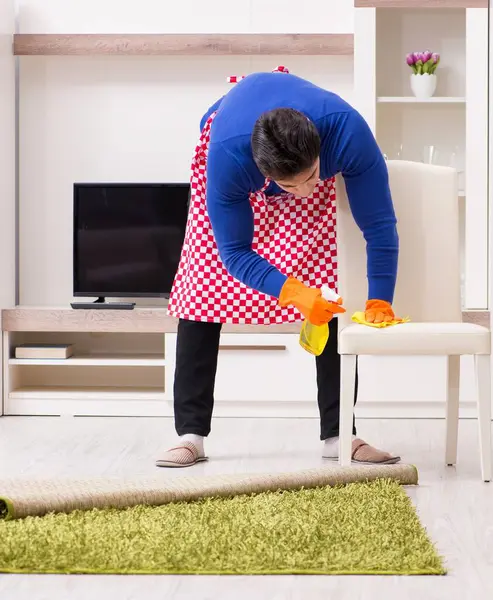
pixel 128 238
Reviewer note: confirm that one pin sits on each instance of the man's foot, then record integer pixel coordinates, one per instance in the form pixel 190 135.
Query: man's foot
pixel 361 453
pixel 188 451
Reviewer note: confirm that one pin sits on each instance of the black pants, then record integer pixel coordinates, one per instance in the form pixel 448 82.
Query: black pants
pixel 196 363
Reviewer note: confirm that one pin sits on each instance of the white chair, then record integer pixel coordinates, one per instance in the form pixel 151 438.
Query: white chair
pixel 428 291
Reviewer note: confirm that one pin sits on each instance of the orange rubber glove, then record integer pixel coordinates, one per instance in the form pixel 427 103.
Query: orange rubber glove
pixel 378 311
pixel 308 301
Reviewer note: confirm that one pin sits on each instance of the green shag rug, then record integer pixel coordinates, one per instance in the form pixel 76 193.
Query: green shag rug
pixel 360 528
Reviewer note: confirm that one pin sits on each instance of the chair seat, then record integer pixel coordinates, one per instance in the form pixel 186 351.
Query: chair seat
pixel 442 339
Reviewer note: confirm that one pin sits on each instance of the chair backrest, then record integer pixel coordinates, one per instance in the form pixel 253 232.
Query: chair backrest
pixel 427 208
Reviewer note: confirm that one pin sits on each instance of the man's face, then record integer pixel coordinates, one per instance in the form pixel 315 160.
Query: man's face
pixel 302 184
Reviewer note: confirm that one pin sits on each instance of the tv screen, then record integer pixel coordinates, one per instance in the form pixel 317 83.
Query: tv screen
pixel 128 238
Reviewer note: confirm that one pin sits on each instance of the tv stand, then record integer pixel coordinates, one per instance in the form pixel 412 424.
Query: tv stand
pixel 101 304
pixel 124 365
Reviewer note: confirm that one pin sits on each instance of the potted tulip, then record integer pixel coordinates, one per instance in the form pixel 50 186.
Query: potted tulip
pixel 423 77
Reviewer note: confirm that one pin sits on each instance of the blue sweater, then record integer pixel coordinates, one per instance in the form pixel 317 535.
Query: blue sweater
pixel 347 147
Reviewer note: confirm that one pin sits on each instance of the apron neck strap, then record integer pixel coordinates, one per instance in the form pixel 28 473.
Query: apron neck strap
pixel 237 78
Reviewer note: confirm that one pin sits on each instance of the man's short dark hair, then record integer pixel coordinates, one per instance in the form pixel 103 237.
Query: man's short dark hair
pixel 285 143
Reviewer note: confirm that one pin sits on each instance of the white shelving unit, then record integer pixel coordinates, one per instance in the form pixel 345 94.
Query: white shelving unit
pixel 124 366
pixel 108 370
pixel 86 393
pixel 96 360
pixel 454 121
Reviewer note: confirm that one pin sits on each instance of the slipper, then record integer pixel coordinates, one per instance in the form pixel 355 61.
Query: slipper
pixel 185 455
pixel 364 454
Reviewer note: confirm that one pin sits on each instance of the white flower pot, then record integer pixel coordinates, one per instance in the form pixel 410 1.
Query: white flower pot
pixel 423 86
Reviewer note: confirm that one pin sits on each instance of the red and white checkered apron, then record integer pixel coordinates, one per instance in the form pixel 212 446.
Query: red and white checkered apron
pixel 297 235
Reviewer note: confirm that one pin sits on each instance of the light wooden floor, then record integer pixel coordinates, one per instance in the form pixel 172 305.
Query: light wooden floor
pixel 455 506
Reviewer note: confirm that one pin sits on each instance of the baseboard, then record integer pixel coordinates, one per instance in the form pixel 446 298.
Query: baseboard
pixel 234 409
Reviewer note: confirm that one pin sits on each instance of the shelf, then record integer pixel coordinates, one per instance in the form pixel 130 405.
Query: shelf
pixel 413 100
pixel 88 393
pixel 421 3
pixel 201 44
pixel 139 320
pixel 95 360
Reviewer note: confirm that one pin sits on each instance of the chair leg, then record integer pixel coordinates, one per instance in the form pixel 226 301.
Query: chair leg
pixel 483 390
pixel 348 377
pixel 452 408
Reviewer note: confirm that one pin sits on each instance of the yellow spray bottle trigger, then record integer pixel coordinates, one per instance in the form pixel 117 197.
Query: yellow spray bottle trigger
pixel 314 338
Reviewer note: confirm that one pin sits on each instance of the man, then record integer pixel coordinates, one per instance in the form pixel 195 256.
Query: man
pixel 260 239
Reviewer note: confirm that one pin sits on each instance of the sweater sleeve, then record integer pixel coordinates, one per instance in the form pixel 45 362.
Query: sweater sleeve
pixel 231 217
pixel 356 155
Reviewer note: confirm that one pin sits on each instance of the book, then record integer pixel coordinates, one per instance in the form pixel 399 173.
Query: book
pixel 42 351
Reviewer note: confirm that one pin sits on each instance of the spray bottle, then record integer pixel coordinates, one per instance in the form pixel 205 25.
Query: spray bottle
pixel 314 338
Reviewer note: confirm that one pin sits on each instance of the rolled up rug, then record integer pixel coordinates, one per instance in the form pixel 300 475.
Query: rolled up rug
pixel 23 498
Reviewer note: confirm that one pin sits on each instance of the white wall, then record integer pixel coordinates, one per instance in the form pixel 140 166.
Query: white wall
pixel 131 118
pixel 7 161
pixel 118 119
pixel 186 16
pixel 7 156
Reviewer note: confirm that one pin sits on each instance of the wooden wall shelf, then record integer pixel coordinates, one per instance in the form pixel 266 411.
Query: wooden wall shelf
pixel 421 3
pixel 336 44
